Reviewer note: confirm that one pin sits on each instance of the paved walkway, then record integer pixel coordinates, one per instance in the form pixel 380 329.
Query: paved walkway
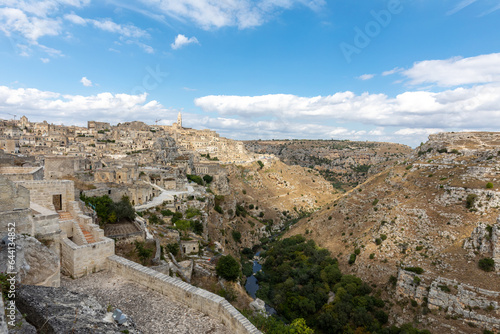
pixel 151 311
pixel 165 195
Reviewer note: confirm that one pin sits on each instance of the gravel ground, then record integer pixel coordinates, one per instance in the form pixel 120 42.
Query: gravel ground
pixel 151 311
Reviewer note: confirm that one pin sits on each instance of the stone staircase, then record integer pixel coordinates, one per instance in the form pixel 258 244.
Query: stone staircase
pixel 66 216
pixel 88 236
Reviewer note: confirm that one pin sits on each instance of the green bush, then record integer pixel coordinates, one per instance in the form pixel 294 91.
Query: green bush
pixel 208 179
pixel 166 213
pixel 416 270
pixel 228 268
pixel 173 248
pixel 218 209
pixel 487 264
pixel 352 259
pixel 195 178
pixel 489 185
pixel 470 201
pixel 378 241
pixel 261 164
pixel 236 236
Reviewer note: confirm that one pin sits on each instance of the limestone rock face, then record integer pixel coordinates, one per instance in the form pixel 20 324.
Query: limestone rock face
pixel 479 240
pixel 58 310
pixel 35 263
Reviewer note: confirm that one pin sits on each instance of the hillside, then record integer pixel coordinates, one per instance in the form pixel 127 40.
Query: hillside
pixel 260 200
pixel 342 162
pixel 420 213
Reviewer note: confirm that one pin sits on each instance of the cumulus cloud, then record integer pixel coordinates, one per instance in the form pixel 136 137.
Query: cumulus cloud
pixel 478 106
pixel 182 40
pixel 86 82
pixel 417 131
pixel 243 14
pixel 456 71
pixel 78 109
pixel 366 77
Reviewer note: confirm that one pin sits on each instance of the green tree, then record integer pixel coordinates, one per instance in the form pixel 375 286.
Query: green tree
pixel 228 268
pixel 298 326
pixel 208 179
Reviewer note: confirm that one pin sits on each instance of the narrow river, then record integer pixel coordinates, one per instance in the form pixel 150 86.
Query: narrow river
pixel 252 285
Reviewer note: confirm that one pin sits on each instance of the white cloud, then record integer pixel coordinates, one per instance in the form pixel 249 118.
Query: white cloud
pixel 128 30
pixel 394 70
pixel 243 14
pixel 476 107
pixel 461 5
pixel 417 131
pixel 86 82
pixel 366 77
pixel 45 60
pixel 182 40
pixel 77 109
pixel 456 71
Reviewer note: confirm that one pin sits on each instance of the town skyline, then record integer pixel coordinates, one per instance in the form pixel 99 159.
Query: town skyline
pixel 380 71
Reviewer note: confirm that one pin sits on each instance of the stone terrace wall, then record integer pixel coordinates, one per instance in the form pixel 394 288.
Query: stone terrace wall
pixel 78 261
pixel 196 298
pixel 41 192
pixel 22 173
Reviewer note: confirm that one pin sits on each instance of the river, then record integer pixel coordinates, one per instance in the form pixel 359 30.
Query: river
pixel 252 285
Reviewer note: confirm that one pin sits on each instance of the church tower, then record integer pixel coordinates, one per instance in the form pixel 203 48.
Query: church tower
pixel 179 120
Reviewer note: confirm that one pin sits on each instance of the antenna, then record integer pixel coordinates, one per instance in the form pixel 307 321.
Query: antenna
pixel 156 121
pixel 14 116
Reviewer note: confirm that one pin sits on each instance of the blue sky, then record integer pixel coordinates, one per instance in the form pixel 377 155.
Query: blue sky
pixel 362 70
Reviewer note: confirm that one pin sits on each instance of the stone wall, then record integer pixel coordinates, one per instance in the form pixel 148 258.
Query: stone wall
pixel 196 298
pixel 15 208
pixel 22 173
pixel 42 192
pixel 78 261
pixel 58 166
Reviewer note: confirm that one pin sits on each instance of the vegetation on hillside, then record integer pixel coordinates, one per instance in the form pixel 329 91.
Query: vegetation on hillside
pixel 298 279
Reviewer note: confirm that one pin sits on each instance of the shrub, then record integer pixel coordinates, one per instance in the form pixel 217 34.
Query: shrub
pixel 173 248
pixel 487 264
pixel 208 179
pixel 416 270
pixel 236 236
pixel 489 185
pixel 228 268
pixel 470 201
pixel 166 213
pixel 372 256
pixel 375 201
pixel 251 206
pixel 261 164
pixel 378 241
pixel 218 209
pixel 383 237
pixel 352 259
pixel 357 251
pixel 195 178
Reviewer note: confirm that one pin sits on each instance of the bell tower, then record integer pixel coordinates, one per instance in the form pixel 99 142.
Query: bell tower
pixel 179 120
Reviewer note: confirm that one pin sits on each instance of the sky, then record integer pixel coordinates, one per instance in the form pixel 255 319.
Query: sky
pixel 377 70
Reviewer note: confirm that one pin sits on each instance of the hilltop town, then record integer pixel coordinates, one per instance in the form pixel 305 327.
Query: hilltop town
pixel 103 210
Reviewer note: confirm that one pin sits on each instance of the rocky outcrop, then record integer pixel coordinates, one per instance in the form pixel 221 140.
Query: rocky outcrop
pixel 476 305
pixel 57 310
pixel 35 263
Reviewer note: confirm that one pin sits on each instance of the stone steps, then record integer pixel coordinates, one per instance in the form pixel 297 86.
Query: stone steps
pixel 88 236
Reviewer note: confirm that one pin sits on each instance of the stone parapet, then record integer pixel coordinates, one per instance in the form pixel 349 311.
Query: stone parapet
pixel 196 298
